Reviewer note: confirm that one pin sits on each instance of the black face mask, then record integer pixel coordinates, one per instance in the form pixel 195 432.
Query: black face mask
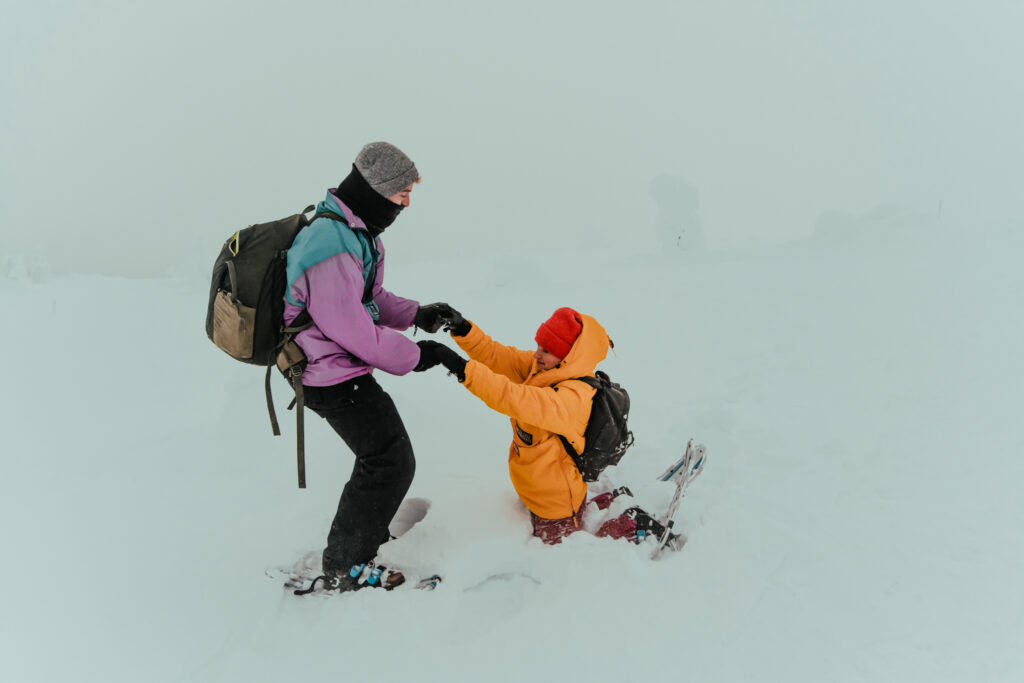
pixel 376 211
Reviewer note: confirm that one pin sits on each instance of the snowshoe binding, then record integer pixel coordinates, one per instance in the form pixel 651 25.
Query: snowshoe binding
pixel 647 527
pixel 366 575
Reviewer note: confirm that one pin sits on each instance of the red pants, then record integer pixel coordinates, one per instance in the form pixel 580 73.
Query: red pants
pixel 552 531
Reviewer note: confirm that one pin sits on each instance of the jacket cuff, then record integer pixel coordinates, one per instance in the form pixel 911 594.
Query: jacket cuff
pixel 473 334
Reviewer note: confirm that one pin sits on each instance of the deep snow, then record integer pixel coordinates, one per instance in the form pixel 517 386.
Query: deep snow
pixel 859 518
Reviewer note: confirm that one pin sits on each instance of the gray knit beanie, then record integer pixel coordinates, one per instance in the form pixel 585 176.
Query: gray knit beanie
pixel 386 168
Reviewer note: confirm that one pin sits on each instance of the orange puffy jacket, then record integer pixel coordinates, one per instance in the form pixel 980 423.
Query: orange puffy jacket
pixel 542 405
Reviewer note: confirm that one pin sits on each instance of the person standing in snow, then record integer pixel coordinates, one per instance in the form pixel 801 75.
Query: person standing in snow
pixel 335 271
pixel 539 392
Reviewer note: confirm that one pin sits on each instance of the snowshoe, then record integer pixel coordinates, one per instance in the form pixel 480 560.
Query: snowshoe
pixel 366 575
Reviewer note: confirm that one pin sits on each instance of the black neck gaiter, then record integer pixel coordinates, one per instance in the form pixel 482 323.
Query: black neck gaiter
pixel 376 211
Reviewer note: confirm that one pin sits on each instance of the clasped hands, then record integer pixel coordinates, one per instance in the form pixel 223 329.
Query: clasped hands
pixel 431 318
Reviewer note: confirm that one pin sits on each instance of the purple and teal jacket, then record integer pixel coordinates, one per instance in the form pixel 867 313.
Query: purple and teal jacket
pixel 330 264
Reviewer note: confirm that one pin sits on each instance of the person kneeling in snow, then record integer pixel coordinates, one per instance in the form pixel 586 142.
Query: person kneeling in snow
pixel 537 390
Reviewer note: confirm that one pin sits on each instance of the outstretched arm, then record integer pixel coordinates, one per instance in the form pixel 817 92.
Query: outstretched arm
pixel 557 410
pixel 395 312
pixel 507 361
pixel 334 299
pixel 435 353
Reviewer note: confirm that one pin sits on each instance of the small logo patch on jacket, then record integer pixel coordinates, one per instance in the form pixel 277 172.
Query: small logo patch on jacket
pixel 525 437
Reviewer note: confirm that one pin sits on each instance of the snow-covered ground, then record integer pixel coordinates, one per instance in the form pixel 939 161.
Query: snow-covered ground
pixel 859 518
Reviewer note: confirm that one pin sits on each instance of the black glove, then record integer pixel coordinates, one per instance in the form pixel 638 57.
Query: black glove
pixel 455 363
pixel 433 353
pixel 456 324
pixel 429 355
pixel 429 318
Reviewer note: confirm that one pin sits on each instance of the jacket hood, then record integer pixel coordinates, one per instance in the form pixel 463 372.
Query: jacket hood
pixel 591 347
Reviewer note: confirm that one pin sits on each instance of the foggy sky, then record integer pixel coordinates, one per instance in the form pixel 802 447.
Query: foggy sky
pixel 136 138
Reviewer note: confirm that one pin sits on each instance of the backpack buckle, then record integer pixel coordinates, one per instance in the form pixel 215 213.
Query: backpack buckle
pixel 291 360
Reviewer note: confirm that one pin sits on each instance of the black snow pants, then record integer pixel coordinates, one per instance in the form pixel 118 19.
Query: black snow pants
pixel 365 417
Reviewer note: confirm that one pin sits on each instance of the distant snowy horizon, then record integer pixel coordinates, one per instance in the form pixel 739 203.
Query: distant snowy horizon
pixel 756 119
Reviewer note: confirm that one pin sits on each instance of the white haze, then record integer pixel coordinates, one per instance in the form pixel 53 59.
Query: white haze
pixel 847 345
pixel 135 137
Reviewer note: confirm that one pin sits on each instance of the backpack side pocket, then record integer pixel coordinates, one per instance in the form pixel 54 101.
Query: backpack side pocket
pixel 233 325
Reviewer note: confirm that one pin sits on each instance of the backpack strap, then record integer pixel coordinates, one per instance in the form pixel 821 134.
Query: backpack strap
pixel 329 214
pixel 300 402
pixel 233 278
pixel 368 285
pixel 301 322
pixel 568 447
pixel 270 403
pixel 300 432
pixel 590 381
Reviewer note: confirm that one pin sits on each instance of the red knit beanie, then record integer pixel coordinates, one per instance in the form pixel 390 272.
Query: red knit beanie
pixel 559 332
